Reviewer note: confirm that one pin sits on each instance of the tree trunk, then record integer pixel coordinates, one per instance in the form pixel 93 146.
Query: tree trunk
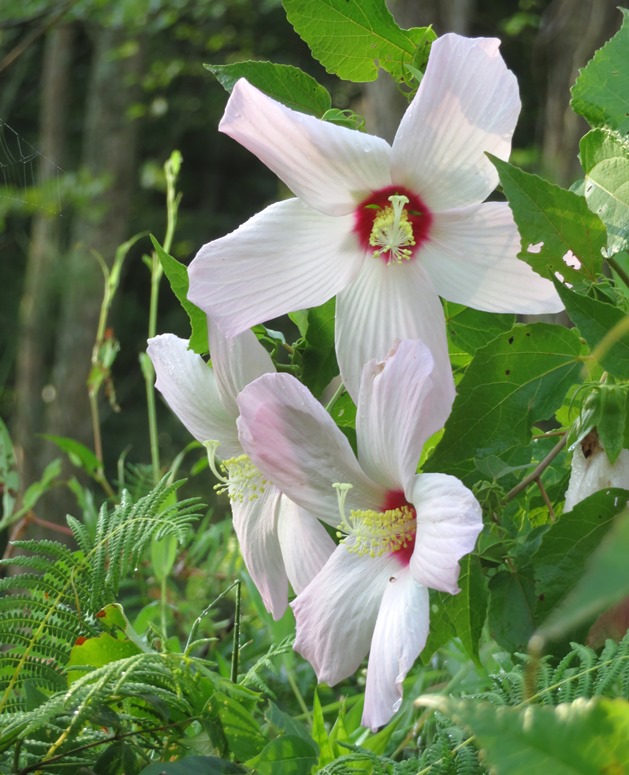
pixel 570 33
pixel 38 298
pixel 109 153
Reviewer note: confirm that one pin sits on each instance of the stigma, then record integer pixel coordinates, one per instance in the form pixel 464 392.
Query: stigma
pixel 393 223
pixel 392 233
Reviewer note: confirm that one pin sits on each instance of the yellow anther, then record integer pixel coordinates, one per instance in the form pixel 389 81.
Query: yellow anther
pixel 392 232
pixel 237 475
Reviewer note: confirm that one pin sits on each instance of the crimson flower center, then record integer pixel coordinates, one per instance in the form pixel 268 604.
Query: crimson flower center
pixel 393 223
pixel 393 501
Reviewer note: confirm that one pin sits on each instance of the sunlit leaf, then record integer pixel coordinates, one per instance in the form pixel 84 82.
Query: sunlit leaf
pixel 595 319
pixel 605 160
pixel 354 40
pixel 555 223
pixel 601 92
pixel 285 83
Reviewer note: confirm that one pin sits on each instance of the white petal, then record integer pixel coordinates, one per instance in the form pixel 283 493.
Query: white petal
pixel 467 104
pixel 296 444
pixel 471 258
pixel 189 387
pixel 399 636
pixel 330 167
pixel 236 361
pixel 335 615
pixel 594 473
pixel 287 257
pixel 449 519
pixel 387 303
pixel 397 413
pixel 255 523
pixel 305 544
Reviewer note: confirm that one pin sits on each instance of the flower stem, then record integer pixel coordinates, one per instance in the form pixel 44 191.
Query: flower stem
pixel 171 169
pixel 536 473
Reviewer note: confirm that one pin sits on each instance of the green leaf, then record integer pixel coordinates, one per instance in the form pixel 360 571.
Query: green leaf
pixel 355 39
pixel 79 455
pixel 604 583
pixel 320 733
pixel 289 755
pixel 284 723
pixel 595 319
pixel 461 615
pixel 468 329
pixel 319 364
pixel 580 738
pixel 241 730
pixel 511 608
pixel 99 651
pixel 605 160
pixel 285 83
pixel 567 545
pixel 163 555
pixel 557 218
pixel 516 380
pixel 194 765
pixel 601 92
pixel 177 275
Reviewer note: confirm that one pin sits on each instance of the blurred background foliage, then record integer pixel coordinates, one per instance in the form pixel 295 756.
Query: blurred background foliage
pixel 94 96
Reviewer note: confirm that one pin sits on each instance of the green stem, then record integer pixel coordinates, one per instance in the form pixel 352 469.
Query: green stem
pixel 236 641
pixel 163 601
pixel 619 270
pixel 171 168
pixel 337 394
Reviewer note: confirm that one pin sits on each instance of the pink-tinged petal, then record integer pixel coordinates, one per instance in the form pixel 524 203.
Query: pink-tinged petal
pixel 236 361
pixel 398 410
pixel 335 615
pixel 399 636
pixel 255 523
pixel 467 104
pixel 330 167
pixel 385 304
pixel 471 258
pixel 449 519
pixel 189 388
pixel 305 544
pixel 287 257
pixel 296 444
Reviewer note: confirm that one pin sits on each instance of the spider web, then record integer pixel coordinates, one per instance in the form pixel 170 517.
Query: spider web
pixel 27 178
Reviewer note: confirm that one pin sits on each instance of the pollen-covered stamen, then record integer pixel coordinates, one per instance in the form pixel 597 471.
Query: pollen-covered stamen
pixel 376 532
pixel 395 222
pixel 236 476
pixel 392 232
